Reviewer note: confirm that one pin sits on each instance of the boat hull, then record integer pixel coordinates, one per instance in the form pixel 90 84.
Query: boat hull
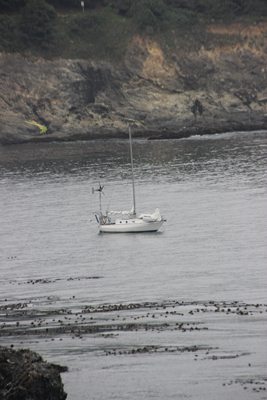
pixel 134 226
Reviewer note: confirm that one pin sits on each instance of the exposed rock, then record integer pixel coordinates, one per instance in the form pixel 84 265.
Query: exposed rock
pixel 218 86
pixel 25 376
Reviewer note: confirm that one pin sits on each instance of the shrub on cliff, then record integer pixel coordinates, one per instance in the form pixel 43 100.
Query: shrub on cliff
pixel 37 21
pixel 152 12
pixel 83 24
pixel 156 13
pixel 219 9
pixel 145 12
pixel 149 12
pixel 256 8
pixel 7 33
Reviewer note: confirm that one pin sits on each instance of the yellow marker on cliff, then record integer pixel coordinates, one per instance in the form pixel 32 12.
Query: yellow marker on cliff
pixel 43 128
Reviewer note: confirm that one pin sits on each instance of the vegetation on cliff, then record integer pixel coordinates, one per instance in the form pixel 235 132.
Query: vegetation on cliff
pixel 103 28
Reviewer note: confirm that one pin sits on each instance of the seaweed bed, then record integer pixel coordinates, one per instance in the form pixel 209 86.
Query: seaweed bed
pixel 42 321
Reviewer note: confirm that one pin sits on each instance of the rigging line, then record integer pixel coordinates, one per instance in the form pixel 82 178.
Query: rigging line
pixel 131 153
pixel 109 203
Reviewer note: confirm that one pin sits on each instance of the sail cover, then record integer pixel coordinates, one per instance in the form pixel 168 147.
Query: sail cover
pixel 151 217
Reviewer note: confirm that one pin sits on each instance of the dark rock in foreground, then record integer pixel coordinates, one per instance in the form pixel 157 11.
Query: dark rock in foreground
pixel 24 375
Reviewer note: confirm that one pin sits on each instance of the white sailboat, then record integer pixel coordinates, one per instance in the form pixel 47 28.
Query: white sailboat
pixel 128 221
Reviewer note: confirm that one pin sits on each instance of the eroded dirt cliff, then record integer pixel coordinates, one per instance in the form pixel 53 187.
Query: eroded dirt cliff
pixel 211 80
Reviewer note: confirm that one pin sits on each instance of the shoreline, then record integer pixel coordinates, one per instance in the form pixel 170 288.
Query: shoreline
pixel 94 146
pixel 157 133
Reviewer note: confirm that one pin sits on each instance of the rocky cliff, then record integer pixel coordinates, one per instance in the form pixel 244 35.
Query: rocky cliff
pixel 24 375
pixel 210 80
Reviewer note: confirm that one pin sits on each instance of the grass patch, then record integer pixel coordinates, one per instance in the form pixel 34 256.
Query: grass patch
pixel 96 35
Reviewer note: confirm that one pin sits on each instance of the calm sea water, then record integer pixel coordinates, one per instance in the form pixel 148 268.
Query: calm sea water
pixel 211 190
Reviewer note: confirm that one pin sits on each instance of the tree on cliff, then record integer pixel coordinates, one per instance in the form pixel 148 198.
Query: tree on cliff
pixel 37 21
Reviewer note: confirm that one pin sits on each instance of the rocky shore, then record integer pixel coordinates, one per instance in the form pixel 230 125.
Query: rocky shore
pixel 213 80
pixel 194 329
pixel 24 375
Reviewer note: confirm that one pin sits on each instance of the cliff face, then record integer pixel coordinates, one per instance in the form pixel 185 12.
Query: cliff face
pixel 212 80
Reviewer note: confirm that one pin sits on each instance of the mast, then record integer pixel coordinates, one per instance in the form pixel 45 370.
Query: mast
pixel 100 189
pixel 131 152
pixel 100 205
